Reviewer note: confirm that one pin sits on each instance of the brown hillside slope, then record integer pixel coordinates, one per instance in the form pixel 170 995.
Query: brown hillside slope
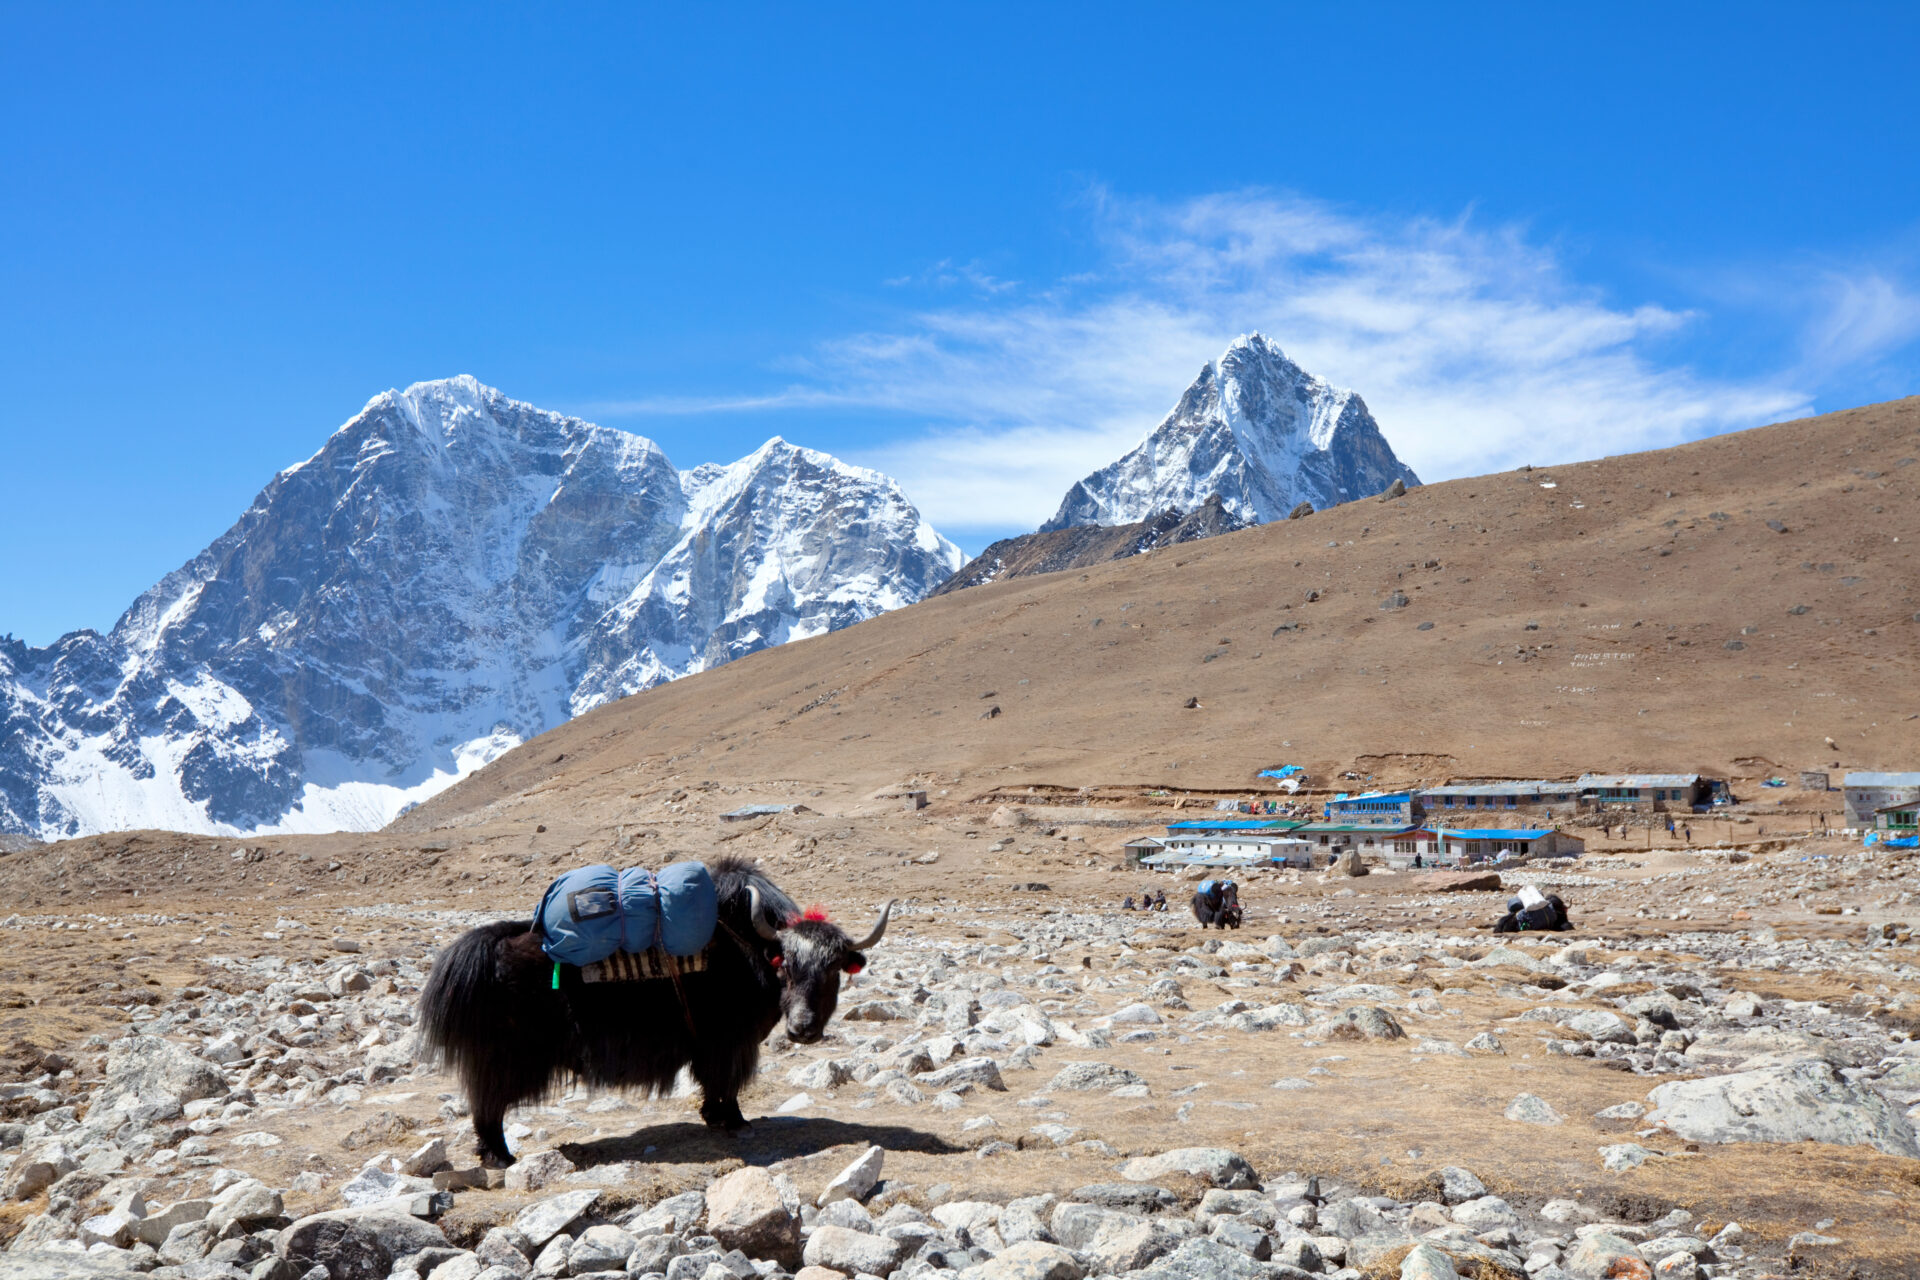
pixel 1727 606
pixel 1082 546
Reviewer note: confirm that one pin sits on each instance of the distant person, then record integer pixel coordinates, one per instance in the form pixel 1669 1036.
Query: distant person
pixel 1416 862
pixel 1160 900
pixel 1688 827
pixel 1128 904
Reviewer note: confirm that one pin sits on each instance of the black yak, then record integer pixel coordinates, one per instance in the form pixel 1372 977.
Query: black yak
pixel 1218 903
pixel 494 1011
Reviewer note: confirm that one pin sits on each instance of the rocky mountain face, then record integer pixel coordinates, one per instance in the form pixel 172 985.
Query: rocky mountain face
pixel 1057 550
pixel 1254 428
pixel 451 574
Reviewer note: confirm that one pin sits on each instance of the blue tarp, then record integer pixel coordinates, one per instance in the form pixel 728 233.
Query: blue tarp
pixel 1893 842
pixel 1285 771
pixel 591 912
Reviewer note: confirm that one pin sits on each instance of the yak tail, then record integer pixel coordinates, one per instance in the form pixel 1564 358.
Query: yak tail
pixel 464 997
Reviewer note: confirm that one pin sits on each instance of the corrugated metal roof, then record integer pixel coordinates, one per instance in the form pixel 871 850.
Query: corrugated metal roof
pixel 1883 780
pixel 1374 795
pixel 1638 779
pixel 1329 828
pixel 1243 824
pixel 1525 833
pixel 1503 789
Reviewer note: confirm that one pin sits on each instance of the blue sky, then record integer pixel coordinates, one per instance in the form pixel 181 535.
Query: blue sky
pixel 983 248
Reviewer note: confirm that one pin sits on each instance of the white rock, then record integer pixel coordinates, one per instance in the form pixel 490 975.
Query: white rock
pixel 857 1180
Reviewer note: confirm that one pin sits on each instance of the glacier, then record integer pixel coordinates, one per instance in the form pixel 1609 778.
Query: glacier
pixel 1255 428
pixel 452 573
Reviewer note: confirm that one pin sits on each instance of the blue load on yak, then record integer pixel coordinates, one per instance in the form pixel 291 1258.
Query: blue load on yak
pixel 591 912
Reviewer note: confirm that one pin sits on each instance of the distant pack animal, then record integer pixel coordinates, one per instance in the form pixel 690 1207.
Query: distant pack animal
pixel 514 1026
pixel 1217 902
pixel 1533 910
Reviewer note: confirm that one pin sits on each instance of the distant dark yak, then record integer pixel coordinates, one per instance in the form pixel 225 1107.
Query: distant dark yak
pixel 1218 903
pixel 492 1013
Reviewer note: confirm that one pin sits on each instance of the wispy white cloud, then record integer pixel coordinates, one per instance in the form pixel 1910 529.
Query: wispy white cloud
pixel 677 406
pixel 1860 317
pixel 1475 345
pixel 946 274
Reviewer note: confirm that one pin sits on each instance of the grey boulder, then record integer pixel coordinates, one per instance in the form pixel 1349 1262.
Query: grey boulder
pixel 356 1244
pixel 854 1252
pixel 1093 1077
pixel 1203 1259
pixel 1215 1165
pixel 150 1067
pixel 1032 1260
pixel 49 1264
pixel 745 1211
pixel 1799 1101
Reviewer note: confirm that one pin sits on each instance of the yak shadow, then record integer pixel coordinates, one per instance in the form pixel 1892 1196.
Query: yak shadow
pixel 771 1139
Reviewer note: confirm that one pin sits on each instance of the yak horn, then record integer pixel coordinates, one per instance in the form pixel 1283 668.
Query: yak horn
pixel 760 925
pixel 879 928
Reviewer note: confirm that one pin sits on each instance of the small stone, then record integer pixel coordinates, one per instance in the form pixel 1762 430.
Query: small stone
pixel 854 1252
pixel 427 1159
pixel 1425 1262
pixel 1122 1244
pixel 1459 1185
pixel 1622 1156
pixel 1032 1260
pixel 1093 1077
pixel 1487 1213
pixel 1298 1251
pixel 538 1170
pixel 1593 1256
pixel 746 1211
pixel 542 1221
pixel 1528 1109
pixel 857 1180
pixel 1365 1022
pixel 981 1072
pixel 1677 1266
pixel 602 1248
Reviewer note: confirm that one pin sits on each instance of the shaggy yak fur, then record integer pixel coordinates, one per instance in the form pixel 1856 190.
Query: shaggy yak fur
pixel 491 1013
pixel 1217 907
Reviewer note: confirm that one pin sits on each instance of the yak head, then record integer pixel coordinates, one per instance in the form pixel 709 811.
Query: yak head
pixel 812 954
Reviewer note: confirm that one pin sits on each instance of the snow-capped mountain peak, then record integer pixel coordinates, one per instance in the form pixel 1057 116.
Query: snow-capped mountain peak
pixel 452 572
pixel 1253 427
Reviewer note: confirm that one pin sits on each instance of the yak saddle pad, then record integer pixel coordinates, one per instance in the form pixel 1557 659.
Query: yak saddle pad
pixel 642 966
pixel 591 913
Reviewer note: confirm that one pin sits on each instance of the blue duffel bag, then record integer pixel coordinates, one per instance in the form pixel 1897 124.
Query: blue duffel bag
pixel 591 912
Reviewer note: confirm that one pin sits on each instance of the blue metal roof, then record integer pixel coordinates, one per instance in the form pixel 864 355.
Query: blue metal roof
pixel 1523 833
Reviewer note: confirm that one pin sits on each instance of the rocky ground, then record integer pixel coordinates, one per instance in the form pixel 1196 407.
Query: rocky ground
pixel 1711 1076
